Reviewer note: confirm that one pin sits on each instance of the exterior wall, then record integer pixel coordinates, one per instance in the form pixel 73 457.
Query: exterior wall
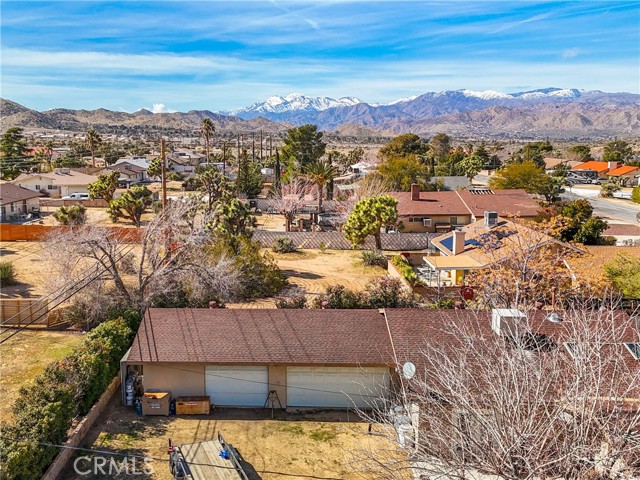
pixel 20 208
pixel 44 184
pixel 179 379
pixel 278 382
pixel 418 227
pixel 66 190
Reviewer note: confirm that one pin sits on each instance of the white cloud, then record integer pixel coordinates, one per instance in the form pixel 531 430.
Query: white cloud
pixel 571 52
pixel 161 108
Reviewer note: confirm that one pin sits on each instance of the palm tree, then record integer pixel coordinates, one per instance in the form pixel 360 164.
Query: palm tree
pixel 320 173
pixel 92 140
pixel 207 129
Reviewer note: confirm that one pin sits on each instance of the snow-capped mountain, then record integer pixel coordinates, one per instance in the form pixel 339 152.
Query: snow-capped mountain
pixel 294 102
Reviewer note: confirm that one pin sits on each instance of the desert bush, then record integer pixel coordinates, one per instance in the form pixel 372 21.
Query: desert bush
pixel 74 215
pixel 7 274
pixel 374 258
pixel 283 245
pixel 339 296
pixel 405 269
pixel 387 292
pixel 297 301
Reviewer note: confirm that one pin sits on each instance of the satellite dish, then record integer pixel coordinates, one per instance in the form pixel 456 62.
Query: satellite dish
pixel 408 370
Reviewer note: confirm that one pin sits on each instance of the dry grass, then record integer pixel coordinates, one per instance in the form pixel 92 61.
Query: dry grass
pixel 26 355
pixel 31 271
pixel 296 444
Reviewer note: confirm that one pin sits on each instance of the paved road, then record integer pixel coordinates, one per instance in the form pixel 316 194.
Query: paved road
pixel 612 210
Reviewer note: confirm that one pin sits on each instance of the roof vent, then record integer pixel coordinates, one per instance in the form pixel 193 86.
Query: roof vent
pixel 553 317
pixel 490 219
pixel 505 321
pixel 481 191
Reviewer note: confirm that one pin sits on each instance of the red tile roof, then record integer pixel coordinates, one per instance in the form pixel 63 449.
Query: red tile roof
pixel 623 170
pixel 599 167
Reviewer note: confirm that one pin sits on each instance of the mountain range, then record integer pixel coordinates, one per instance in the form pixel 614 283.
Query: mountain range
pixel 550 112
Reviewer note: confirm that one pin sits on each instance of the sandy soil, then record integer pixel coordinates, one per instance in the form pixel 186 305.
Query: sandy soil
pixel 323 445
pixel 31 271
pixel 25 355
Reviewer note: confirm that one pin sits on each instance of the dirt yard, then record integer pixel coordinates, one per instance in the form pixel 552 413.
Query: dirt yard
pixel 314 271
pixel 25 355
pixel 322 446
pixel 29 268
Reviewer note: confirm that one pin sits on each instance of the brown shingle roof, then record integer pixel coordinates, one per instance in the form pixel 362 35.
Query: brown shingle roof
pixel 430 203
pixel 262 336
pixel 508 203
pixel 10 193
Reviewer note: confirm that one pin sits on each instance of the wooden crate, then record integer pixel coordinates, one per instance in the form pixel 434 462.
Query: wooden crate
pixel 192 405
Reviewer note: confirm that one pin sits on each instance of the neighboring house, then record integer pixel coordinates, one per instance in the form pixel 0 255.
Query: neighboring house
pixel 551 163
pixel 16 202
pixel 311 358
pixel 185 162
pixel 628 175
pixel 478 246
pixel 625 234
pixel 59 183
pixel 442 211
pixel 140 161
pixel 129 172
pixel 601 168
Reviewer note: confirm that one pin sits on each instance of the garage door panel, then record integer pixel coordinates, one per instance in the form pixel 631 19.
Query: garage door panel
pixel 336 387
pixel 242 386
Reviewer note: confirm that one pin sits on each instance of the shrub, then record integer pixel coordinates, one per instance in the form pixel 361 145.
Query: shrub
pixel 405 269
pixel 74 215
pixel 322 247
pixel 387 292
pixel 284 245
pixel 374 258
pixel 635 195
pixel 297 301
pixel 338 296
pixel 608 189
pixel 7 274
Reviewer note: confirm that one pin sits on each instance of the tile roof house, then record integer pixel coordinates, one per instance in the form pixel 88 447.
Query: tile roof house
pixel 311 358
pixel 16 201
pixel 59 183
pixel 479 245
pixel 600 167
pixel 629 175
pixel 442 211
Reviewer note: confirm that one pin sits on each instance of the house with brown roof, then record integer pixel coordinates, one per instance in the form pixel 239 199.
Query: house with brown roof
pixel 16 202
pixel 443 211
pixel 480 245
pixel 627 175
pixel 61 182
pixel 311 358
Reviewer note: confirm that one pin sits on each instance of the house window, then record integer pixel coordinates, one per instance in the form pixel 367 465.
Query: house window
pixel 51 187
pixel 634 348
pixel 415 219
pixel 453 220
pixel 38 187
pixel 426 222
pixel 13 208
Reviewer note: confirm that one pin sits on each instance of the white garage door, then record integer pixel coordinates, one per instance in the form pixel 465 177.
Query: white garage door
pixel 335 387
pixel 238 386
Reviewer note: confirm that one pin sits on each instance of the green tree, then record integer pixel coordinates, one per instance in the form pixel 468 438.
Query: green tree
pixel 13 143
pixel 398 173
pixel 212 184
pixel 471 165
pixel 590 232
pixel 231 222
pixel 369 215
pixel 104 187
pixel 249 179
pixel 131 205
pixel 403 145
pixel 303 146
pixel 207 129
pixel 320 174
pixel 608 189
pixel 526 175
pixel 92 140
pixel 579 153
pixel 449 165
pixel 440 146
pixel 635 195
pixel 617 151
pixel 624 273
pixel 74 215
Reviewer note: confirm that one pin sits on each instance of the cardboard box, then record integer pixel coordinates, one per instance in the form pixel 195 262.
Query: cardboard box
pixel 156 403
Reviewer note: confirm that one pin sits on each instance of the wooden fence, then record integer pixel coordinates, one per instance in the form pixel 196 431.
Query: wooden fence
pixel 34 233
pixel 23 311
pixel 58 202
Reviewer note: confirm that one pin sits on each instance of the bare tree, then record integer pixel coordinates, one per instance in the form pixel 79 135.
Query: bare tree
pixel 530 399
pixel 290 200
pixel 171 264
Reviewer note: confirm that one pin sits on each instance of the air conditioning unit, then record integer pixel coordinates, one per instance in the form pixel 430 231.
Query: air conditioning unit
pixel 490 219
pixel 426 222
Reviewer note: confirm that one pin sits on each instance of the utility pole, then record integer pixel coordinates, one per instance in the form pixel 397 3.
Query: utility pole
pixel 238 145
pixel 270 146
pixel 164 174
pixel 253 147
pixel 224 157
pixel 260 146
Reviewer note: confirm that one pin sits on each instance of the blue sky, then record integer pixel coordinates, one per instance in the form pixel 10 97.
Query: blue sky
pixel 213 55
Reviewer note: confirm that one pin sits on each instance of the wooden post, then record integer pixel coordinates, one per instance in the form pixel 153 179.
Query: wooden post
pixel 164 174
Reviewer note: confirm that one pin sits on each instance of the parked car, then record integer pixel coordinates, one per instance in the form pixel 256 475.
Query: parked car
pixel 77 196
